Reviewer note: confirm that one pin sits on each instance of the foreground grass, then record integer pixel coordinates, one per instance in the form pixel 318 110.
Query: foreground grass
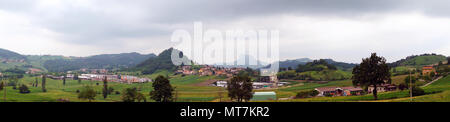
pixel 185 91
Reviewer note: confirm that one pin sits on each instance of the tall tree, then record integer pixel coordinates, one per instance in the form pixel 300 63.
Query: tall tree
pixel 162 90
pixel 1 85
pixel 448 60
pixel 105 87
pixel 372 71
pixel 44 78
pixel 36 82
pixel 410 79
pixel 64 80
pixel 240 88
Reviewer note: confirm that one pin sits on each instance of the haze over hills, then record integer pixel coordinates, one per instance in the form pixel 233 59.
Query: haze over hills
pixel 302 61
pixel 150 63
pixel 6 54
pixel 53 63
pixel 104 61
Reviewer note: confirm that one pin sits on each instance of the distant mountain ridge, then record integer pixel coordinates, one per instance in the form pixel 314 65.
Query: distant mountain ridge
pixel 53 63
pixel 294 63
pixel 6 54
pixel 104 61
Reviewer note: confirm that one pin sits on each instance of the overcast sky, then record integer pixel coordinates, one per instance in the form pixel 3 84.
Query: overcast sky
pixel 344 30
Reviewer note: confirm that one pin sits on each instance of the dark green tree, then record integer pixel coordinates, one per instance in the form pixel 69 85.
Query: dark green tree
pixel 129 95
pixel 36 82
pixel 105 87
pixel 448 60
pixel 432 74
pixel 64 80
pixel 44 77
pixel 2 85
pixel 407 80
pixel 87 93
pixel 162 90
pixel 240 88
pixel 75 77
pixel 417 91
pixel 140 97
pixel 372 71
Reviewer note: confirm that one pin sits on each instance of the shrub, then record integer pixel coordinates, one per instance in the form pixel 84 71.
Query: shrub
pixel 402 86
pixel 417 91
pixel 24 89
pixel 87 93
pixel 307 94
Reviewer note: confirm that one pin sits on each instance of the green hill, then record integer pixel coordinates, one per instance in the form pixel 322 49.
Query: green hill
pixel 105 61
pixel 162 62
pixel 10 60
pixel 317 70
pixel 419 60
pixel 6 54
pixel 13 60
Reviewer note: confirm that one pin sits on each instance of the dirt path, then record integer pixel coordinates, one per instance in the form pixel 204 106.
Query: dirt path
pixel 432 81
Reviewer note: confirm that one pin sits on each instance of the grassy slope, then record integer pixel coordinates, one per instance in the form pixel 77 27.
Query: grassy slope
pixel 436 92
pixel 424 60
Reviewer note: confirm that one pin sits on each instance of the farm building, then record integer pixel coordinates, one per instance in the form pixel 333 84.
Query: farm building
pixel 426 70
pixel 382 88
pixel 259 96
pixel 339 91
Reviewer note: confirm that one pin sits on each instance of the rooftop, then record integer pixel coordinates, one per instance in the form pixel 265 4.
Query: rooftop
pixel 264 93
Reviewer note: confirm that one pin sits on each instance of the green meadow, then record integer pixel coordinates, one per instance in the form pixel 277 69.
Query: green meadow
pixel 188 90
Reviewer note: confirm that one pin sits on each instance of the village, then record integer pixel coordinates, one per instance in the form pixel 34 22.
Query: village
pixel 100 77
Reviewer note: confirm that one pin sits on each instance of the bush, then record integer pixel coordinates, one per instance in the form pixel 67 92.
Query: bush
pixel 402 86
pixel 417 91
pixel 307 94
pixel 87 93
pixel 24 89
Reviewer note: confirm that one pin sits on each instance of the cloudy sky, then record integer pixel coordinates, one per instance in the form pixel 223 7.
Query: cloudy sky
pixel 344 30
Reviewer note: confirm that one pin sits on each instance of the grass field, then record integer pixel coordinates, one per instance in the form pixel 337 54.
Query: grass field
pixel 183 85
pixel 187 91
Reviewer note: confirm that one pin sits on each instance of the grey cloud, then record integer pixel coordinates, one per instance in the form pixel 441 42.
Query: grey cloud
pixel 112 19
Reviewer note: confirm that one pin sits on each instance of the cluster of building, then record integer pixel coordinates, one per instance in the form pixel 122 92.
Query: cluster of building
pixel 100 77
pixel 352 91
pixel 207 70
pixel 263 82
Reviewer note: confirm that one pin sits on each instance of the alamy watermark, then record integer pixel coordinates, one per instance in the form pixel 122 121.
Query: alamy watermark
pixel 212 46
